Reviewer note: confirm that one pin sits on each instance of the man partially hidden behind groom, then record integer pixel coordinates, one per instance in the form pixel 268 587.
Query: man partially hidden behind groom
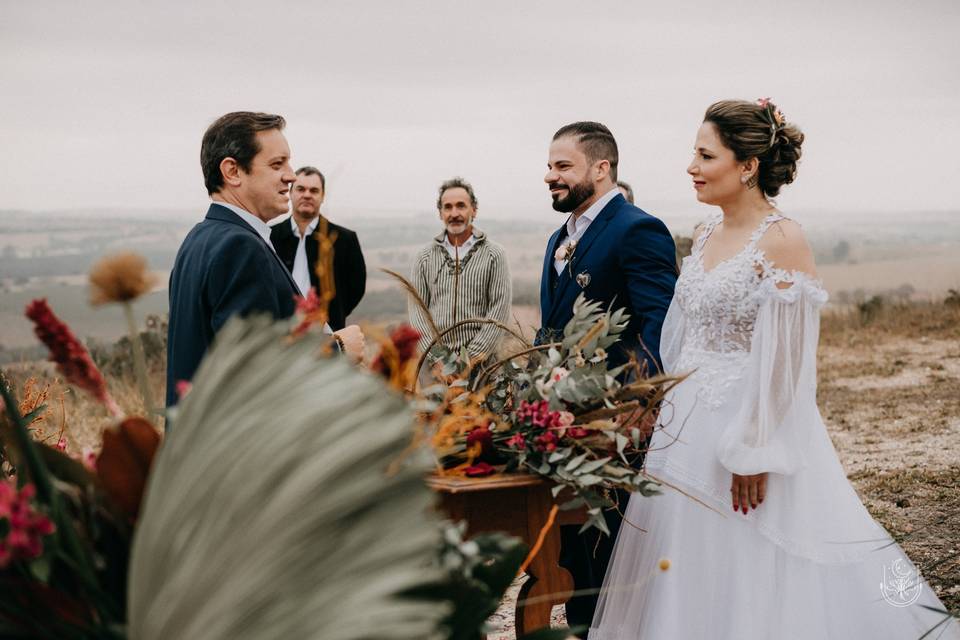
pixel 614 253
pixel 226 265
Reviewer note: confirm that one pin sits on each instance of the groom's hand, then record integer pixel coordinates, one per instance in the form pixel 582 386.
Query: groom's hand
pixel 748 491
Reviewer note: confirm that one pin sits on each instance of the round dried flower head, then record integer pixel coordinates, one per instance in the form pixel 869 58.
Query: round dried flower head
pixel 120 278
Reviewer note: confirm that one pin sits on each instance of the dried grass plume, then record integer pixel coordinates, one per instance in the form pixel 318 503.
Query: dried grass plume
pixel 120 277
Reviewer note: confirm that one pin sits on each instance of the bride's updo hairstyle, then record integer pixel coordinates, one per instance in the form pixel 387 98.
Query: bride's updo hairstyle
pixel 758 129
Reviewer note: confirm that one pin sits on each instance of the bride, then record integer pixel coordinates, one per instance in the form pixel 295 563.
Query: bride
pixel 770 541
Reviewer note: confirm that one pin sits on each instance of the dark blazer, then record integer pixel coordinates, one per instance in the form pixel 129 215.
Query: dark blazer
pixel 349 269
pixel 627 258
pixel 223 268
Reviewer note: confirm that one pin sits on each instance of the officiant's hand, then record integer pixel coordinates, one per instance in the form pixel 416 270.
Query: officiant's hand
pixel 748 491
pixel 354 344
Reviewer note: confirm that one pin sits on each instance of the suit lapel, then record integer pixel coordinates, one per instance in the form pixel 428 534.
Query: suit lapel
pixel 546 278
pixel 593 232
pixel 217 212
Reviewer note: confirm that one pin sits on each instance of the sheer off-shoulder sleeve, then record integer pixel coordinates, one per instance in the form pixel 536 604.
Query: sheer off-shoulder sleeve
pixel 771 431
pixel 671 336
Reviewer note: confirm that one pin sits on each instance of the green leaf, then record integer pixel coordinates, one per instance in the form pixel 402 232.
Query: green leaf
pixel 593 465
pixel 621 445
pixel 40 568
pixel 576 462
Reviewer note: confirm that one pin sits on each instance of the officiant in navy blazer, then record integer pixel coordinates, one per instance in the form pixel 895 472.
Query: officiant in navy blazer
pixel 226 264
pixel 614 253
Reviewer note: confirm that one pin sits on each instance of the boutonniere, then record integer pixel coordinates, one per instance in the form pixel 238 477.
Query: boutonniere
pixel 583 279
pixel 565 252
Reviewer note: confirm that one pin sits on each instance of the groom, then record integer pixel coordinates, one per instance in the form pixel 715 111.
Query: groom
pixel 613 252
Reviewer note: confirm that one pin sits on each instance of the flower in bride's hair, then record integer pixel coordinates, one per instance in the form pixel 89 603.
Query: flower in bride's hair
pixel 72 358
pixel 121 277
pixel 763 102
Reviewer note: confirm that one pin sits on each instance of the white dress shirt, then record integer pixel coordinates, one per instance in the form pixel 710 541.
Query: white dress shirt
pixel 301 270
pixel 462 250
pixel 261 227
pixel 576 227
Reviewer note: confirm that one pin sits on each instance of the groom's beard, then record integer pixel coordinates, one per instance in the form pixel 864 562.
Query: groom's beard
pixel 576 196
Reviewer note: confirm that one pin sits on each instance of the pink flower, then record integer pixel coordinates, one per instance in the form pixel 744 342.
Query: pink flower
pixel 183 388
pixel 517 440
pixel 564 252
pixel 764 102
pixel 577 432
pixel 25 525
pixel 62 444
pixel 479 470
pixel 72 358
pixel 89 458
pixel 546 441
pixel 566 418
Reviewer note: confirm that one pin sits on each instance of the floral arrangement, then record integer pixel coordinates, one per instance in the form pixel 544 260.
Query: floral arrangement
pixel 66 523
pixel 555 410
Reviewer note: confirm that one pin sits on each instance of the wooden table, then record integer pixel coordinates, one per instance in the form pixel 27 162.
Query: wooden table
pixel 517 504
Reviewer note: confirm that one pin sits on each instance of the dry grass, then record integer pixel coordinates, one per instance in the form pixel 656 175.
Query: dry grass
pixel 889 391
pixel 79 418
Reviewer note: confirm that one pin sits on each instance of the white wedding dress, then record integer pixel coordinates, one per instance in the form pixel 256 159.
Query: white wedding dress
pixel 810 562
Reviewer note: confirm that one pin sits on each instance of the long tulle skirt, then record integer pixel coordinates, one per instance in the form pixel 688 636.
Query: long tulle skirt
pixel 809 563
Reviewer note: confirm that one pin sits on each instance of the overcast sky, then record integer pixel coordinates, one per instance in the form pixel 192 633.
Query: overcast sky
pixel 104 104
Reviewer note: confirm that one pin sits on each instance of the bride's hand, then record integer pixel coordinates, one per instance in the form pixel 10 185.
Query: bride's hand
pixel 748 491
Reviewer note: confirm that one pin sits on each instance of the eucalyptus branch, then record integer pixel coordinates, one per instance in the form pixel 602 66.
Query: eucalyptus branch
pixel 485 373
pixel 454 326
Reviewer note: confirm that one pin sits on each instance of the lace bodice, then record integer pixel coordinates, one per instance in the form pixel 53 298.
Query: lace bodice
pixel 720 305
pixel 719 308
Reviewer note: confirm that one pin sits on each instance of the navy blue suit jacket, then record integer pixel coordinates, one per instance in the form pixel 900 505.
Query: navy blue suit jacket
pixel 630 260
pixel 223 268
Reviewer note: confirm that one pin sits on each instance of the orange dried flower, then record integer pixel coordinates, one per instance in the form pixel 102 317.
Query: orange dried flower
pixel 125 460
pixel 121 277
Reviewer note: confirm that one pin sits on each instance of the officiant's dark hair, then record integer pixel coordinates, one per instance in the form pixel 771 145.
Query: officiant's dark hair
pixel 596 142
pixel 313 171
pixel 233 135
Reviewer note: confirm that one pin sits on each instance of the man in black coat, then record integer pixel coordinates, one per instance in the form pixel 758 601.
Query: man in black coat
pixel 298 248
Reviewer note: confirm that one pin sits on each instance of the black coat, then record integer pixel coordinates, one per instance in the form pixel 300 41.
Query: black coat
pixel 349 269
pixel 223 268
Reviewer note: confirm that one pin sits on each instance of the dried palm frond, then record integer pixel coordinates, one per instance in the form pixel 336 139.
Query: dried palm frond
pixel 417 300
pixel 269 514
